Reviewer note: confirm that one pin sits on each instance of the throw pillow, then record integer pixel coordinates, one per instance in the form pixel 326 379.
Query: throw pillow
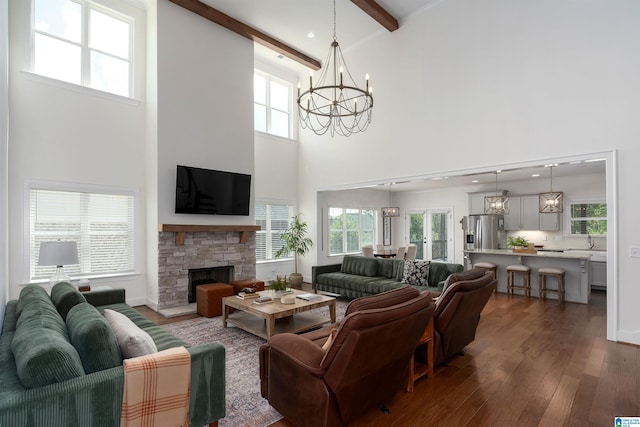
pixel 93 338
pixel 416 272
pixel 132 340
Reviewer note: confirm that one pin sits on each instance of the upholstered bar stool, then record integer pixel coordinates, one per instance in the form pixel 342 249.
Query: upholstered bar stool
pixel 558 273
pixel 512 270
pixel 488 266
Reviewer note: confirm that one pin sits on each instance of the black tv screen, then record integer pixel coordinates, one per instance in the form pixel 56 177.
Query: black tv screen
pixel 212 192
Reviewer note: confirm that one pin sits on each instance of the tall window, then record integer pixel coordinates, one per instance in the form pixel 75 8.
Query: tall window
pixel 84 43
pixel 588 218
pixel 101 224
pixel 272 105
pixel 272 219
pixel 350 229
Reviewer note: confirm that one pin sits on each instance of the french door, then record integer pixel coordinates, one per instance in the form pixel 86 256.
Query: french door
pixel 431 231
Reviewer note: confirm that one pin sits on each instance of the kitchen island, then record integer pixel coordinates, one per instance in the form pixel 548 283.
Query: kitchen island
pixel 576 266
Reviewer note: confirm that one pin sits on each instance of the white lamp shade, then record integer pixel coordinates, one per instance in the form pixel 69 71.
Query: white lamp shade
pixel 58 253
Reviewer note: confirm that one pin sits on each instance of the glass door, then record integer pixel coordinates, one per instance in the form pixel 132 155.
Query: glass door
pixel 416 231
pixel 440 235
pixel 431 231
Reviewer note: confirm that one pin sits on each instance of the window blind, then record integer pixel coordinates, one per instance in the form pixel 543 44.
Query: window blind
pixel 101 224
pixel 272 219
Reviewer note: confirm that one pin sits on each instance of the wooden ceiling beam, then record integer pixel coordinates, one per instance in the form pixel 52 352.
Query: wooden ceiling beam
pixel 244 30
pixel 377 12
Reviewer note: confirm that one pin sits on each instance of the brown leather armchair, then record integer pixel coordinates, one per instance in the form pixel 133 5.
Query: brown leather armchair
pixel 458 311
pixel 366 363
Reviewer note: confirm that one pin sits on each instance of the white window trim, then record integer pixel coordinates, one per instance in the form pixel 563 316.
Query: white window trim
pixel 292 210
pixel 567 216
pixel 376 215
pixel 292 106
pixel 129 9
pixel 85 188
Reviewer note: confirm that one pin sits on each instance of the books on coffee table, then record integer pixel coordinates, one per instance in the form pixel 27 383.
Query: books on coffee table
pixel 309 297
pixel 263 300
pixel 243 295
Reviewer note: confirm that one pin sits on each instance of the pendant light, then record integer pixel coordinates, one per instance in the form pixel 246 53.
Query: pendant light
pixel 498 204
pixel 552 201
pixel 390 210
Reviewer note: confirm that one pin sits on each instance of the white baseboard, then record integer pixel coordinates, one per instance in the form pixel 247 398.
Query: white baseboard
pixel 629 337
pixel 137 301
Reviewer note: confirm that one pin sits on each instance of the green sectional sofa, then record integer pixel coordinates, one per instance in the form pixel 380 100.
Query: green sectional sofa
pixel 61 365
pixel 359 276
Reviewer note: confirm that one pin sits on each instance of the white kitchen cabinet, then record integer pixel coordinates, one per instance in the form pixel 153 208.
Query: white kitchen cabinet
pixel 523 213
pixel 598 275
pixel 549 221
pixel 476 203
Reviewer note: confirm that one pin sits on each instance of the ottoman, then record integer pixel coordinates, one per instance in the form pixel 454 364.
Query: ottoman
pixel 209 298
pixel 247 283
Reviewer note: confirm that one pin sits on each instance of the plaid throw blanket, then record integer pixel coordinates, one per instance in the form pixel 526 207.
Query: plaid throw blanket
pixel 156 389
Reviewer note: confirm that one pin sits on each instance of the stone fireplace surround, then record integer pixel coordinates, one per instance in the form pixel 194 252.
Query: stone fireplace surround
pixel 184 247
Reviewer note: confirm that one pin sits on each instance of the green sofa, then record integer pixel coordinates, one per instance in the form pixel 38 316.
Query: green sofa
pixel 58 369
pixel 359 276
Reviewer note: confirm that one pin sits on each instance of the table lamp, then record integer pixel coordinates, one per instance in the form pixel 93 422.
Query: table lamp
pixel 58 254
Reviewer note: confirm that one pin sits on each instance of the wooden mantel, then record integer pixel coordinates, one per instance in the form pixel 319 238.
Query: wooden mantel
pixel 181 229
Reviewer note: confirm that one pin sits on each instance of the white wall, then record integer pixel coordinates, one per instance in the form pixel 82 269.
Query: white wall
pixel 468 85
pixel 276 171
pixel 76 136
pixel 4 175
pixel 203 116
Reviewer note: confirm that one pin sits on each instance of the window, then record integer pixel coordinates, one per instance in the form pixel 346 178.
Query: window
pixel 350 229
pixel 272 219
pixel 84 43
pixel 102 225
pixel 588 218
pixel 272 105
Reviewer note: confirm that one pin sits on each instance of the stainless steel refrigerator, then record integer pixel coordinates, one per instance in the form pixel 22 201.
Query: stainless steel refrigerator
pixel 484 232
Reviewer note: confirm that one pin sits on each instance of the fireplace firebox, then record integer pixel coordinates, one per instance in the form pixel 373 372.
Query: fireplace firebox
pixel 203 276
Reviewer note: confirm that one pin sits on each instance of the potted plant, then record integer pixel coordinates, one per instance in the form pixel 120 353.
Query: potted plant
pixel 279 284
pixel 295 241
pixel 517 242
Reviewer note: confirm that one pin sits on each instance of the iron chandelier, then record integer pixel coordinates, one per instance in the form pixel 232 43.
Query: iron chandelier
pixel 336 103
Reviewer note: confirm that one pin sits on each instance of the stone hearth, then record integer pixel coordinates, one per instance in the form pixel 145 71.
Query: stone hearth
pixel 200 249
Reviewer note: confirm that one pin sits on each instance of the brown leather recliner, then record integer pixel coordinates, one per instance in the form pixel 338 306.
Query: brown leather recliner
pixel 458 311
pixel 367 362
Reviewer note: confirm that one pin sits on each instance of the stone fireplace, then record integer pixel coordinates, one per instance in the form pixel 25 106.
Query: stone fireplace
pixel 190 247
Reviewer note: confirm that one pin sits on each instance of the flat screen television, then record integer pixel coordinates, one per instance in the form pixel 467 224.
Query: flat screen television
pixel 212 192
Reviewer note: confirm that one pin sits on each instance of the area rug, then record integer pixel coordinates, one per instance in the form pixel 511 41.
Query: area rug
pixel 245 406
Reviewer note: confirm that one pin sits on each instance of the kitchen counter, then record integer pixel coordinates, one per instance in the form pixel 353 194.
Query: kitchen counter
pixel 576 265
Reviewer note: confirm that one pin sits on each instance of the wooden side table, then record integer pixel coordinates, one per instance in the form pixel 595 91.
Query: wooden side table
pixel 418 370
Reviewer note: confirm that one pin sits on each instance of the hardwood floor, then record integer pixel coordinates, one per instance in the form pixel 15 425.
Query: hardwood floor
pixel 532 364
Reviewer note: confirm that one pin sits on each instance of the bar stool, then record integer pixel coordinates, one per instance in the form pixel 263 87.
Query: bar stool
pixel 558 273
pixel 488 266
pixel 512 270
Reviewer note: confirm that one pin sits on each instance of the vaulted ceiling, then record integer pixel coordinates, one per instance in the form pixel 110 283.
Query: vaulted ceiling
pixel 281 27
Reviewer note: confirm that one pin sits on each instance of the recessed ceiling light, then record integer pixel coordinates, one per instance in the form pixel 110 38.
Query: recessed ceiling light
pixel 280 56
pixel 475 181
pixel 311 34
pixel 535 175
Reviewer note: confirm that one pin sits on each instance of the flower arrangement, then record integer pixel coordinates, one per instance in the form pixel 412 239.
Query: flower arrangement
pixel 280 283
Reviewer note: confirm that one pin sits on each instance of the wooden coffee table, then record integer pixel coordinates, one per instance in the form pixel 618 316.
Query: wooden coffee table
pixel 261 319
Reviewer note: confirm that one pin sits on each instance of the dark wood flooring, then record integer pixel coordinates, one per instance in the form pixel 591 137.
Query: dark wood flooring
pixel 533 363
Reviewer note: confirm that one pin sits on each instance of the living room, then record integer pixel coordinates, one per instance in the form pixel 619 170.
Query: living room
pixel 461 87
